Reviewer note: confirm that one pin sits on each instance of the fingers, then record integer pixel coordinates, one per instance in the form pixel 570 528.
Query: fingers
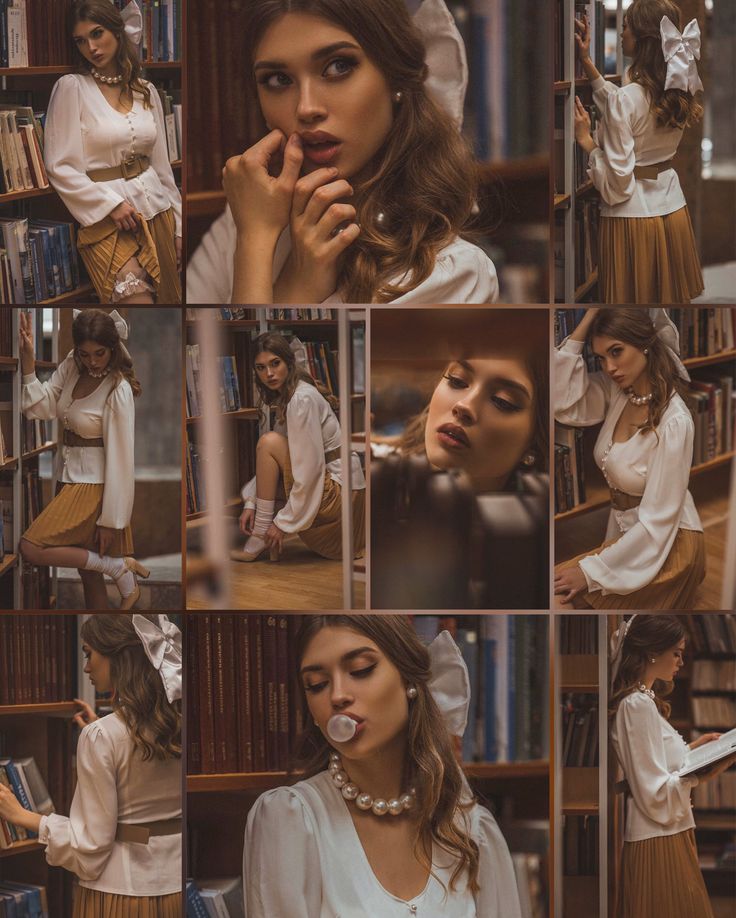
pixel 79 720
pixel 293 159
pixel 308 186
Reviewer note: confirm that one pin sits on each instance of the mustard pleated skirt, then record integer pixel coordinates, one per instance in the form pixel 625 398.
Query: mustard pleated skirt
pixel 648 259
pixel 661 878
pixel 70 519
pixel 91 903
pixel 105 249
pixel 324 536
pixel 674 587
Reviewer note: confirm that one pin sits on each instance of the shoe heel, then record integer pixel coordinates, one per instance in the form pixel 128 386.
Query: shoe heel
pixel 128 602
pixel 137 568
pixel 274 553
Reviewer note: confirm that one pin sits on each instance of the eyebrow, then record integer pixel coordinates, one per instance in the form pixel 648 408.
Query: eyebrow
pixel 609 348
pixel 503 380
pixel 316 56
pixel 345 658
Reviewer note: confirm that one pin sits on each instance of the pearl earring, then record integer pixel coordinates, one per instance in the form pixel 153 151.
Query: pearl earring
pixel 528 460
pixel 646 350
pixel 411 693
pixel 398 96
pixel 652 659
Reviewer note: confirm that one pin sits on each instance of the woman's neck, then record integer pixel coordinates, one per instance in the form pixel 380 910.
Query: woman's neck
pixel 642 385
pixel 109 70
pixel 381 774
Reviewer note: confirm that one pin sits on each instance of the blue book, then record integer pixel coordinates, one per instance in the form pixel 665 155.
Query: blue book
pixel 166 50
pixel 3 33
pixel 233 381
pixel 19 791
pixel 195 906
pixel 33 896
pixel 511 658
pixel 13 902
pixel 490 701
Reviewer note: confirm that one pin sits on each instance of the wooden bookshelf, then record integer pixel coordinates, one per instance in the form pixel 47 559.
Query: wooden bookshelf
pixel 8 562
pixel 83 293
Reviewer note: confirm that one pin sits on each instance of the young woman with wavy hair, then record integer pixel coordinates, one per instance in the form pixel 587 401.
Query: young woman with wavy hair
pixel 660 874
pixel 653 556
pixel 122 838
pixel 362 187
pixel 383 820
pixel 298 459
pixel 91 393
pixel 647 251
pixel 106 154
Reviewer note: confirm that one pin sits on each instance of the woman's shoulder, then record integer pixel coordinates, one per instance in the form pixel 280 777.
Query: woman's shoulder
pixel 111 727
pixel 462 273
pixel 305 394
pixel 636 702
pixel 121 393
pixel 70 85
pixel 297 801
pixel 676 417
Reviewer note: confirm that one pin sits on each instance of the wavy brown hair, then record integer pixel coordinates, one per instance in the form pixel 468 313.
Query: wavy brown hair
pixel 647 634
pixel 98 326
pixel 425 179
pixel 274 343
pixel 672 107
pixel 108 16
pixel 430 766
pixel 634 326
pixel 139 698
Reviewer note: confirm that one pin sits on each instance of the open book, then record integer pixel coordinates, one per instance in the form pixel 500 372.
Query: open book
pixel 709 753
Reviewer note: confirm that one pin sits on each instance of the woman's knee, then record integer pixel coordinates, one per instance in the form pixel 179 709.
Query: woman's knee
pixel 28 551
pixel 275 444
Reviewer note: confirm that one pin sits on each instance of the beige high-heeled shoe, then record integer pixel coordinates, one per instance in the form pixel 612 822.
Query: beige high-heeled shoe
pixel 236 554
pixel 138 570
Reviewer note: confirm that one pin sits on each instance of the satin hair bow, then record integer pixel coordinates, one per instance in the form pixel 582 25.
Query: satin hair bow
pixel 617 643
pixel 446 59
pixel 449 682
pixel 681 50
pixel 133 19
pixel 162 645
pixel 121 326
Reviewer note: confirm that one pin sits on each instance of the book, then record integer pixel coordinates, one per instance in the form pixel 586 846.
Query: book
pixel 709 753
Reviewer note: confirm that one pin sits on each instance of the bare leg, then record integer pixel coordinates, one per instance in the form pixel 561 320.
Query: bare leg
pixel 53 557
pixel 95 594
pixel 132 285
pixel 271 454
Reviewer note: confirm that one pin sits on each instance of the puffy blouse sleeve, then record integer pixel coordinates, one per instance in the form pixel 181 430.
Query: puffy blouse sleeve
pixel 210 269
pixel 463 274
pixel 635 559
pixel 662 796
pixel 281 866
pixel 64 155
pixel 611 164
pixel 160 160
pixel 580 398
pixel 307 455
pixel 498 896
pixel 83 841
pixel 118 434
pixel 38 399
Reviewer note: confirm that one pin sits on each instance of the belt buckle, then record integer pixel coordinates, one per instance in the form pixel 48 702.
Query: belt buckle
pixel 125 166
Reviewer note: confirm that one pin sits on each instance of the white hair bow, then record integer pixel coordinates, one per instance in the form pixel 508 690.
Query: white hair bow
pixel 670 337
pixel 121 326
pixel 133 19
pixel 617 642
pixel 447 63
pixel 449 682
pixel 681 50
pixel 162 644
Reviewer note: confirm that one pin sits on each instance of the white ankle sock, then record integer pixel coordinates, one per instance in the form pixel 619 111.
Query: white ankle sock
pixel 264 518
pixel 114 568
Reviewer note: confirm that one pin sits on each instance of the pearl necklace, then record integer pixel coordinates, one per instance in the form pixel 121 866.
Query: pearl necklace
pixel 638 399
pixel 111 81
pixel 647 691
pixel 99 375
pixel 378 806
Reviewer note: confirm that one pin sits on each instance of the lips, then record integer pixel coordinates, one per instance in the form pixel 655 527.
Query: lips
pixel 320 147
pixel 358 721
pixel 453 436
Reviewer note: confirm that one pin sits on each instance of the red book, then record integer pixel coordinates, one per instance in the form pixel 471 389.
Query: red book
pixel 206 695
pixel 226 736
pixel 244 697
pixel 270 678
pixel 257 692
pixel 283 674
pixel 194 764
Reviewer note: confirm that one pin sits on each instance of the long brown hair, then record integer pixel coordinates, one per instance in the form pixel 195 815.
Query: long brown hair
pixel 431 766
pixel 672 107
pixel 98 326
pixel 274 343
pixel 108 16
pixel 634 326
pixel 139 698
pixel 424 187
pixel 647 634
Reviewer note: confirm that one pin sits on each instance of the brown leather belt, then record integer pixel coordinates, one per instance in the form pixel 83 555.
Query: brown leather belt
pixel 332 454
pixel 652 172
pixel 128 169
pixel 73 439
pixel 140 833
pixel 620 500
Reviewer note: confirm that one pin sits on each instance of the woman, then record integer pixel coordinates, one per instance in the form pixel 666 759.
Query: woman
pixel 362 187
pixel 660 874
pixel 302 454
pixel 653 556
pixel 647 251
pixel 384 823
pixel 105 152
pixel 87 524
pixel 122 837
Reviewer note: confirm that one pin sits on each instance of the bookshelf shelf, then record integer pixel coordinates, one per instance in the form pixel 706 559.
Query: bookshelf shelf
pixel 244 414
pixel 28 193
pixel 52 709
pixel 205 203
pixel 46 448
pixel 72 296
pixel 561 86
pixel 22 847
pixel 202 514
pixel 495 771
pixel 562 200
pixel 580 791
pixel 578 673
pixel 8 363
pixel 46 364
pixel 720 357
pixel 8 563
pixel 227 323
pixel 10 463
pixel 583 189
pixel 522 169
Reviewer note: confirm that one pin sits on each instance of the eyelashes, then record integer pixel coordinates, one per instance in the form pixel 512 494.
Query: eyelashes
pixel 356 674
pixel 336 69
pixel 503 405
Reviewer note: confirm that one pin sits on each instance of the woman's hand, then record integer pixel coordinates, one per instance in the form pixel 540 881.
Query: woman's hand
pixel 104 538
pixel 582 38
pixel 274 537
pixel 570 582
pixel 25 343
pixel 177 247
pixel 124 217
pixel 582 126
pixel 581 329
pixel 260 202
pixel 247 519
pixel 705 738
pixel 12 810
pixel 86 716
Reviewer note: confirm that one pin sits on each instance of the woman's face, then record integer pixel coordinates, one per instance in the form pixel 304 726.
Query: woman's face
pixel 666 665
pixel 481 419
pixel 345 672
pixel 97 668
pixel 95 43
pixel 623 362
pixel 314 79
pixel 271 370
pixel 94 356
pixel 628 42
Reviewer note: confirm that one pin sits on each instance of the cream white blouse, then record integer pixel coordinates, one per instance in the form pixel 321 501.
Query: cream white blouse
pixel 628 136
pixel 108 412
pixel 654 466
pixel 462 273
pixel 311 430
pixel 84 132
pixel 115 785
pixel 651 752
pixel 303 858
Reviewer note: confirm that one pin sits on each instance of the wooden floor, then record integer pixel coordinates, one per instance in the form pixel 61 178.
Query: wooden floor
pixel 300 580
